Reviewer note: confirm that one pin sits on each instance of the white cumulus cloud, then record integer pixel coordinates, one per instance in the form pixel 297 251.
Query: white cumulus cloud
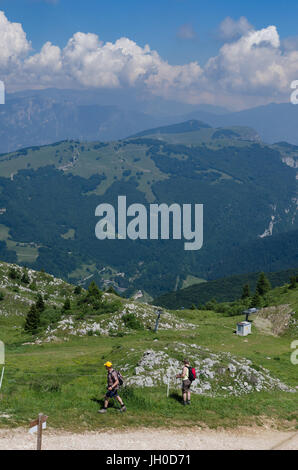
pixel 255 68
pixel 14 43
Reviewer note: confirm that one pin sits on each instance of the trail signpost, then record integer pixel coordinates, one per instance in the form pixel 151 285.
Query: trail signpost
pixel 158 312
pixel 37 426
pixel 249 312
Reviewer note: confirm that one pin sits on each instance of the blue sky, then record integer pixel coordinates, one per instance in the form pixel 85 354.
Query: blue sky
pixel 230 53
pixel 155 22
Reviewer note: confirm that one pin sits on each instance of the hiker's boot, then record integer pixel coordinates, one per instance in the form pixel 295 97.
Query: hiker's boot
pixel 184 403
pixel 123 408
pixel 103 410
pixel 188 402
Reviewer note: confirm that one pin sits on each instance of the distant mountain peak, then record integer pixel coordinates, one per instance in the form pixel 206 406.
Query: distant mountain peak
pixel 180 128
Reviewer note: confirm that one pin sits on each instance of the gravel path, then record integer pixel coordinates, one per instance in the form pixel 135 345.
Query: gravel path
pixel 152 439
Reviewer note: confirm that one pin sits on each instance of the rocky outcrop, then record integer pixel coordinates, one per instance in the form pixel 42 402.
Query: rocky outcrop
pixel 217 374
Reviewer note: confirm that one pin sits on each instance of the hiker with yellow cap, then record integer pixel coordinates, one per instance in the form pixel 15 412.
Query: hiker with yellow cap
pixel 114 381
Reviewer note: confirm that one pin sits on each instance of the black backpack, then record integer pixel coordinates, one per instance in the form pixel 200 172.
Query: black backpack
pixel 120 378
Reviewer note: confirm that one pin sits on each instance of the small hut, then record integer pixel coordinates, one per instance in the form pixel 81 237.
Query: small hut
pixel 244 328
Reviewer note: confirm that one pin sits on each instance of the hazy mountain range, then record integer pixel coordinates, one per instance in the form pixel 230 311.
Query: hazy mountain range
pixel 41 117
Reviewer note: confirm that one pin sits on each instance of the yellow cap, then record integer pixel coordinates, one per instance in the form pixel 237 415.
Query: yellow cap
pixel 108 364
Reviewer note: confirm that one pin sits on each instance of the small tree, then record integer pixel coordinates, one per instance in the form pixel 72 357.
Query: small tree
pixel 25 278
pixel 211 304
pixel 40 303
pixel 256 301
pixel 94 291
pixel 293 282
pixel 263 285
pixel 13 274
pixel 32 320
pixel 66 305
pixel 132 322
pixel 111 290
pixel 193 307
pixel 33 286
pixel 77 290
pixel 245 292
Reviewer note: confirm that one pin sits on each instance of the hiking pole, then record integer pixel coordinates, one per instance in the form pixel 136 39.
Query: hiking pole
pixel 2 361
pixel 116 402
pixel 2 375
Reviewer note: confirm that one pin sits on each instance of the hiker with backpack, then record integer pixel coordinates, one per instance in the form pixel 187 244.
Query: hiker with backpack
pixel 115 380
pixel 188 375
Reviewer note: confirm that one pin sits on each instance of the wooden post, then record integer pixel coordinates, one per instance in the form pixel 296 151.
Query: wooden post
pixel 37 426
pixel 39 431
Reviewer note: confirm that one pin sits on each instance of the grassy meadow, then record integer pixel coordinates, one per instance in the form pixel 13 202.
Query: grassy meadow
pixel 67 380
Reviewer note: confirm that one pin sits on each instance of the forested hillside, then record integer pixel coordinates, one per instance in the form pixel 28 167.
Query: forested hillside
pixel 49 195
pixel 226 289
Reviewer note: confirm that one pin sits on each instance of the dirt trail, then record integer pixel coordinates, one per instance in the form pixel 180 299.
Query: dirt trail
pixel 153 439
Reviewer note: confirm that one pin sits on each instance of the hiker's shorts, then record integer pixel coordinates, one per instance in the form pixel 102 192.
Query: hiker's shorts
pixel 186 385
pixel 112 393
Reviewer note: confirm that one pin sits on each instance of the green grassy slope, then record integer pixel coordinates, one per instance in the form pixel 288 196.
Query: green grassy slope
pixel 196 132
pixel 64 376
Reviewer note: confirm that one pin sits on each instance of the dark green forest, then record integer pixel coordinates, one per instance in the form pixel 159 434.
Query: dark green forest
pixel 226 289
